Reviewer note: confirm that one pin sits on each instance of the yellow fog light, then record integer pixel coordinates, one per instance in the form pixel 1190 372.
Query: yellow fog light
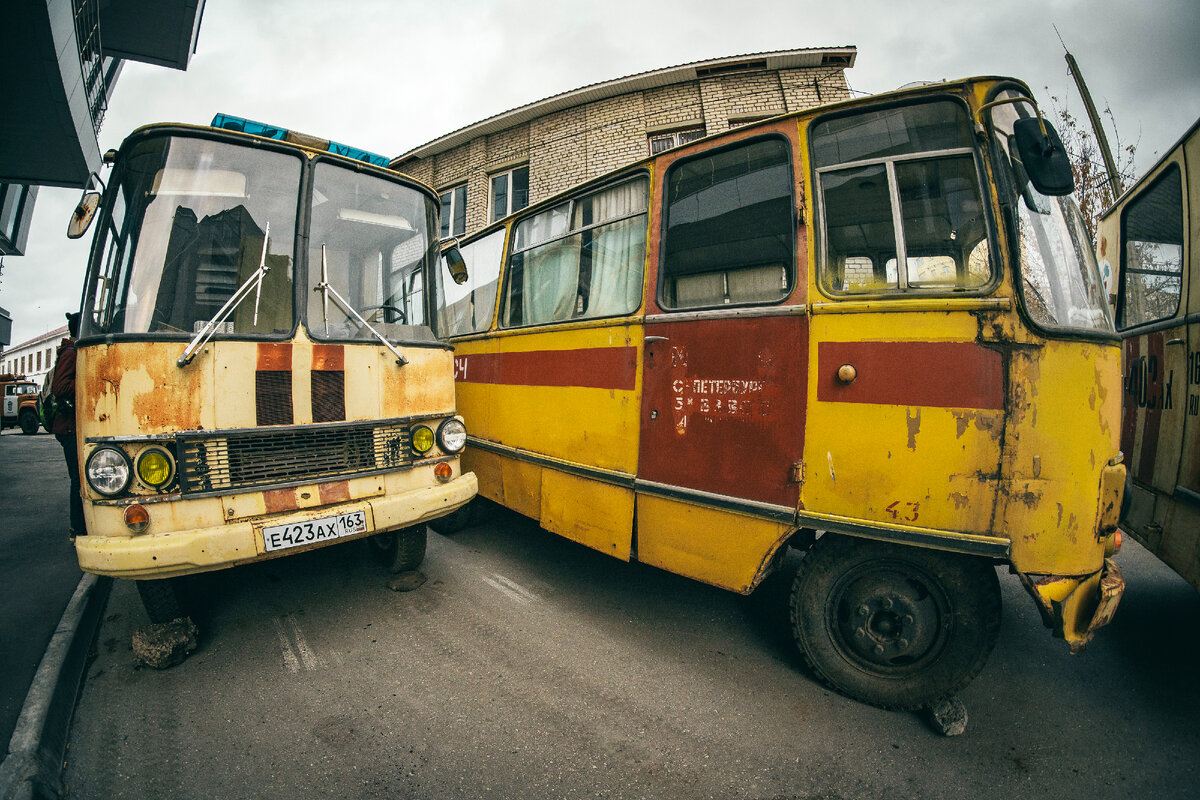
pixel 154 467
pixel 137 518
pixel 422 439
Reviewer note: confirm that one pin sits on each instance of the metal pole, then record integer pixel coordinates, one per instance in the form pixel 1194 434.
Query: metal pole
pixel 1114 177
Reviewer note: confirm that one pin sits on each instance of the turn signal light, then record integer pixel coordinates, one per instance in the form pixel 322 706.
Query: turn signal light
pixel 137 518
pixel 443 472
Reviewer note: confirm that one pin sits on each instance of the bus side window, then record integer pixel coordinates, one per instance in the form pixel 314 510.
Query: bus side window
pixel 1152 256
pixel 729 227
pixel 581 259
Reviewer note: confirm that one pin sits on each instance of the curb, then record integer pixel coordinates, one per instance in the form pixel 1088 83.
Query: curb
pixel 32 770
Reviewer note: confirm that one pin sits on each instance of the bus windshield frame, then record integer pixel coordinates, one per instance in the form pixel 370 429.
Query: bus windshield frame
pixel 162 271
pixel 1054 266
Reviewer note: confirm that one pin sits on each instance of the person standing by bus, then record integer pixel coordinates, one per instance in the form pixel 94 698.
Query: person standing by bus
pixel 62 387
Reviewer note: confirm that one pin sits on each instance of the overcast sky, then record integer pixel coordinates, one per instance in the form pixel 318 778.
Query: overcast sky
pixel 388 75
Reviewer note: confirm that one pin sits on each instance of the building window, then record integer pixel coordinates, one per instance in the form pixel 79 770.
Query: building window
pixel 12 201
pixel 665 141
pixel 39 360
pixel 510 192
pixel 454 211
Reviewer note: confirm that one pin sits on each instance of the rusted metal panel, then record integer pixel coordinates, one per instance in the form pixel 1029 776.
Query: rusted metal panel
pixel 724 407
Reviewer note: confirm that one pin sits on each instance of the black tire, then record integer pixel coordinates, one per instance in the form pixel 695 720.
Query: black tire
pixel 400 551
pixel 161 599
pixel 895 626
pixel 29 422
pixel 459 519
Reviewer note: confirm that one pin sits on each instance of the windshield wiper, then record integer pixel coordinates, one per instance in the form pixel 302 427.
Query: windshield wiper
pixel 327 290
pixel 255 280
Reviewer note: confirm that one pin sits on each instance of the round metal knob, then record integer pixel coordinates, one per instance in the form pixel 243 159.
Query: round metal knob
pixel 847 373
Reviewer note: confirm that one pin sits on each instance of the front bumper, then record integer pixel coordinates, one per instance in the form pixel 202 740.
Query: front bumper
pixel 1075 608
pixel 204 549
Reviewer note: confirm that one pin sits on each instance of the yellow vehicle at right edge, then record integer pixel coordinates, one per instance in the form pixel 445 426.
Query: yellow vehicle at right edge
pixel 1147 238
pixel 872 331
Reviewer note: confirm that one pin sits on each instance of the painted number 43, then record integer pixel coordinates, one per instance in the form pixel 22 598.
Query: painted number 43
pixel 905 512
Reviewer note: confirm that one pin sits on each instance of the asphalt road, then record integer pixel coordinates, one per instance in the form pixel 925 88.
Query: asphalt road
pixel 531 667
pixel 38 570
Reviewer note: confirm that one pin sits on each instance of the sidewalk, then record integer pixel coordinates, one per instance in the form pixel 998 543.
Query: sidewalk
pixel 38 578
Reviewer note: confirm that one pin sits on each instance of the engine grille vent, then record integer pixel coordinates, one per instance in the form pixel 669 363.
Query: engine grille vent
pixel 231 461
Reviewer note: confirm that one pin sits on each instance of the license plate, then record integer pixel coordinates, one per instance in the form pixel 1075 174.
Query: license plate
pixel 297 534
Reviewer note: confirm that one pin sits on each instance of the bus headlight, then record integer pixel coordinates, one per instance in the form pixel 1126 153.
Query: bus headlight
pixel 108 471
pixel 422 439
pixel 452 435
pixel 154 467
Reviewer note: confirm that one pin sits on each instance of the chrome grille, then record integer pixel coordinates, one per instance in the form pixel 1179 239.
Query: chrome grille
pixel 257 458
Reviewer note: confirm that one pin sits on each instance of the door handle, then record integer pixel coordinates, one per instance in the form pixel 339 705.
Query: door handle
pixel 653 339
pixel 1176 341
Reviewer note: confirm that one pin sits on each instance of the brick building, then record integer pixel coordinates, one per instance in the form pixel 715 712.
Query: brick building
pixel 501 164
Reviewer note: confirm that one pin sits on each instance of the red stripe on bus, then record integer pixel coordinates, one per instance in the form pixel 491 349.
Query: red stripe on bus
pixel 331 357
pixel 1129 409
pixel 1152 372
pixel 590 368
pixel 337 492
pixel 939 374
pixel 275 356
pixel 277 500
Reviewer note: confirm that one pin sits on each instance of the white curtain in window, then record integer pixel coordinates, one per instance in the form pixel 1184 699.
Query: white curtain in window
pixel 551 281
pixel 619 252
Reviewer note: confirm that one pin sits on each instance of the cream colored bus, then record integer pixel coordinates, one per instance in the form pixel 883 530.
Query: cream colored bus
pixel 256 371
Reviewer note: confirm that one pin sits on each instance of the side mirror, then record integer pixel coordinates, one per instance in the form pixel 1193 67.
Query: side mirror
pixel 455 264
pixel 1043 156
pixel 81 217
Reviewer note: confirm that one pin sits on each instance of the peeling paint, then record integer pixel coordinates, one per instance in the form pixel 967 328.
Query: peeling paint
pixel 959 499
pixel 914 426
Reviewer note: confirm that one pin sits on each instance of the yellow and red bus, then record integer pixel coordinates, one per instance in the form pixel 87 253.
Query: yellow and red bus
pixel 1147 238
pixel 256 370
pixel 872 331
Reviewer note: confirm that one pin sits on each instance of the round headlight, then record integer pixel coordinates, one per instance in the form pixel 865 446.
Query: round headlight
pixel 422 439
pixel 452 435
pixel 154 467
pixel 108 471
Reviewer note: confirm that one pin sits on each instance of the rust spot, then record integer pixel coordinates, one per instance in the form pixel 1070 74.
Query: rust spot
pixel 959 499
pixel 914 426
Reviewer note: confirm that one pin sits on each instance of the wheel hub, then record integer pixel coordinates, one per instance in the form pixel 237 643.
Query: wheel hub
pixel 888 620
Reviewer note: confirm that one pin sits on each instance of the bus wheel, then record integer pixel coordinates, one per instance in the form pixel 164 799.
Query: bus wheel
pixel 895 626
pixel 29 422
pixel 161 599
pixel 459 519
pixel 400 551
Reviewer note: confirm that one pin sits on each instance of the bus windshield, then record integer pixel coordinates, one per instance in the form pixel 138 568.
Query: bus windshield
pixel 195 220
pixel 370 244
pixel 186 229
pixel 1060 282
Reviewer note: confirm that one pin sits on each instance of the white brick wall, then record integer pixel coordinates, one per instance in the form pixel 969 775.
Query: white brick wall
pixel 565 148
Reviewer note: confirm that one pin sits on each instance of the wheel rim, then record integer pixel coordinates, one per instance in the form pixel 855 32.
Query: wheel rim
pixel 889 618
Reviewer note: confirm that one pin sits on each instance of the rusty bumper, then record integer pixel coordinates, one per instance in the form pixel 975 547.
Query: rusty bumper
pixel 1076 607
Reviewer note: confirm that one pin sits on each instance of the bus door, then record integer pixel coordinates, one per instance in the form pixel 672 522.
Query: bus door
pixel 907 394
pixel 1152 313
pixel 725 367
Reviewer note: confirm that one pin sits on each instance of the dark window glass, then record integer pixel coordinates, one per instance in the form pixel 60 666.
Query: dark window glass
pixel 891 132
pixel 1152 256
pixel 499 197
pixel 730 227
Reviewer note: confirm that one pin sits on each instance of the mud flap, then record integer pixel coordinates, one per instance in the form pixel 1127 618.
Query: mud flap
pixel 1075 608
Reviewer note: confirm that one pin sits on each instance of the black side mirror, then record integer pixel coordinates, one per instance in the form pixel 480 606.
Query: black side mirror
pixel 455 264
pixel 1043 156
